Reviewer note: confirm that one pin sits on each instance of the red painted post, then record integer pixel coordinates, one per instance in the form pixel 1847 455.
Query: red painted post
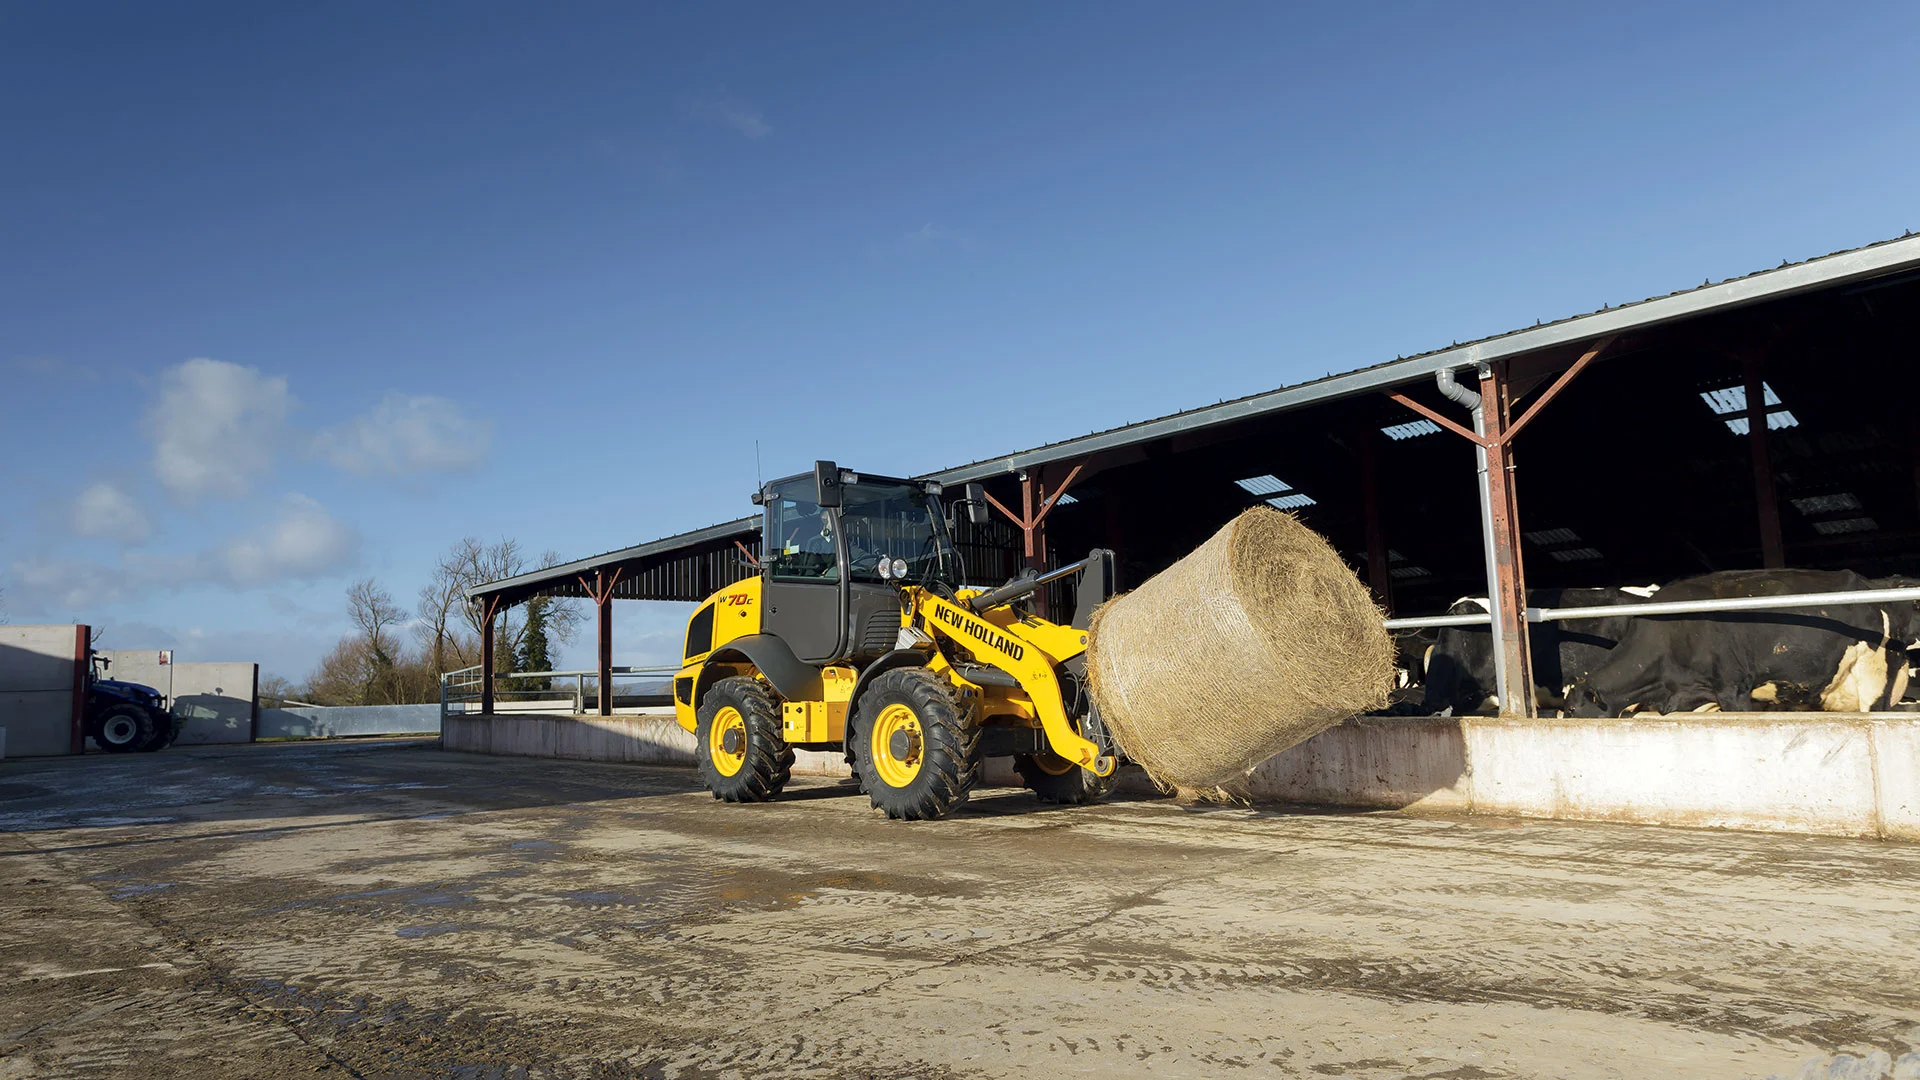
pixel 1773 552
pixel 486 657
pixel 1033 494
pixel 603 601
pixel 1510 636
pixel 77 738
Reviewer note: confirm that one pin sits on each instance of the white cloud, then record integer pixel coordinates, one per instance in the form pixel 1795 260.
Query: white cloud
pixel 215 427
pixel 406 435
pixel 301 542
pixel 53 367
pixel 63 588
pixel 745 121
pixel 749 122
pixel 930 235
pixel 104 510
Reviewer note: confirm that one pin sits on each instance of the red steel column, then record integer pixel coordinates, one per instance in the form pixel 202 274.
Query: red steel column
pixel 603 602
pixel 1510 582
pixel 1773 552
pixel 486 658
pixel 77 737
pixel 1033 495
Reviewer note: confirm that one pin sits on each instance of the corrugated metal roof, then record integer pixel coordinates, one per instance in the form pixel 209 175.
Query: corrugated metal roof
pixel 1787 279
pixel 726 530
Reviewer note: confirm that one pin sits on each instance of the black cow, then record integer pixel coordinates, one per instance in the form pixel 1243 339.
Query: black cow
pixel 1460 665
pixel 1840 657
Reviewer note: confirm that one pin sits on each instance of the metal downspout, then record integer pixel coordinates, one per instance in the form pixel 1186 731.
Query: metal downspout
pixel 1451 389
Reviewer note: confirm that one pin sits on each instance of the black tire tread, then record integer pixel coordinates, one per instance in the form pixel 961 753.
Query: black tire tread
pixel 952 764
pixel 1075 787
pixel 147 732
pixel 769 763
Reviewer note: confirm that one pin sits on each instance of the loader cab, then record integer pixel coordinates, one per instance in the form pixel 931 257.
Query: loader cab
pixel 837 546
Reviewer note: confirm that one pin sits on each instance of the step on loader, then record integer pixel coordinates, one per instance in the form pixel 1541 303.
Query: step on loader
pixel 862 635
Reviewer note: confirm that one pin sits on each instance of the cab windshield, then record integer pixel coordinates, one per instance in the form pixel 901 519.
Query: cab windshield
pixel 880 520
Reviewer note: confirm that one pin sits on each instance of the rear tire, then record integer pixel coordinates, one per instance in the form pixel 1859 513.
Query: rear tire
pixel 744 757
pixel 123 729
pixel 916 752
pixel 1054 779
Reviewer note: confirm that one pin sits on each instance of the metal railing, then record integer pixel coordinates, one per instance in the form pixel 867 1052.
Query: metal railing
pixel 1668 607
pixel 461 690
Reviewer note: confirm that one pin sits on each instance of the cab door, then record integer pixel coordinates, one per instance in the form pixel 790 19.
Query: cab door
pixel 801 572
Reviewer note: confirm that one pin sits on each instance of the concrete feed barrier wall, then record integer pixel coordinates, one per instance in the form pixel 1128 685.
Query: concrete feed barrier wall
pixel 1783 772
pixel 652 737
pixel 41 673
pixel 1787 772
pixel 333 722
pixel 213 702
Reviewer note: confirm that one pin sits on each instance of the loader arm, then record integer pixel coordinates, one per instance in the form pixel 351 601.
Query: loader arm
pixel 1028 654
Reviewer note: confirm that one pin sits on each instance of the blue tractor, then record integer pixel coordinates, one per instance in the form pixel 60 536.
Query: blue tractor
pixel 125 716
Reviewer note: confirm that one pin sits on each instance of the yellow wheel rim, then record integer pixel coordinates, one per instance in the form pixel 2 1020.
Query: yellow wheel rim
pixel 897 760
pixel 726 762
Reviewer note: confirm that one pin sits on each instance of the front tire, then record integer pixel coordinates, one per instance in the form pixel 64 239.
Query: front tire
pixel 123 729
pixel 744 757
pixel 917 754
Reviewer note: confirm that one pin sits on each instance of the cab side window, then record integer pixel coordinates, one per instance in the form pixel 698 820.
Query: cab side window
pixel 799 538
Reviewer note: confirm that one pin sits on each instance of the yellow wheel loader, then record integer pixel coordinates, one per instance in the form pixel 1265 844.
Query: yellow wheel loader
pixel 862 635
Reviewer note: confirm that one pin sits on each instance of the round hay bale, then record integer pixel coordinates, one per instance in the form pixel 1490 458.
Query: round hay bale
pixel 1259 639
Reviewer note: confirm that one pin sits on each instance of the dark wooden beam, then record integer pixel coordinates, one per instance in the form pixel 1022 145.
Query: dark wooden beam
pixel 1773 552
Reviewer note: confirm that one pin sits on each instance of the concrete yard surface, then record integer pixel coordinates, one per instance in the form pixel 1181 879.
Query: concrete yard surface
pixel 386 909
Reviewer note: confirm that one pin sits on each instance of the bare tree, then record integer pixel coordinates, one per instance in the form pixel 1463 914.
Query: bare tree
pixel 370 665
pixel 375 618
pixel 443 601
pixel 469 563
pixel 274 691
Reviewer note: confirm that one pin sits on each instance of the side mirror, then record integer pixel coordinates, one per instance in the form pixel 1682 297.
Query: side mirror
pixel 826 482
pixel 976 501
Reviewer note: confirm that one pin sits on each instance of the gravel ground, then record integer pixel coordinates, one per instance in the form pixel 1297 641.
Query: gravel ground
pixel 384 909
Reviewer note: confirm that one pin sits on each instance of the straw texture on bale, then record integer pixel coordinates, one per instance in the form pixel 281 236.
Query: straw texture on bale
pixel 1259 639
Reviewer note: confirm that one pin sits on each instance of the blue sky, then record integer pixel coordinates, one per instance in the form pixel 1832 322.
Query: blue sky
pixel 292 295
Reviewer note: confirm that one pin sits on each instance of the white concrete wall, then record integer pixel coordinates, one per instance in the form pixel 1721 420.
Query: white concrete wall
pixel 1782 772
pixel 141 666
pixel 1787 772
pixel 37 677
pixel 649 736
pixel 338 721
pixel 214 702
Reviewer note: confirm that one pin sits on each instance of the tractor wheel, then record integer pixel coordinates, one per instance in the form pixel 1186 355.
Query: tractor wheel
pixel 124 728
pixel 743 755
pixel 165 729
pixel 1054 779
pixel 916 752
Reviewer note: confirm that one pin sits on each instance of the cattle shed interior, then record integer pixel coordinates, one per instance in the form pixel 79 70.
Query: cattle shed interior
pixel 1636 460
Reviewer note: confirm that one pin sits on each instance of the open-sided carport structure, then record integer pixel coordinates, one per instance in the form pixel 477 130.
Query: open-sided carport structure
pixel 1759 421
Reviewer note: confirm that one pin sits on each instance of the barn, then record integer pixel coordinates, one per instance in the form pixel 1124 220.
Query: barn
pixel 1751 424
